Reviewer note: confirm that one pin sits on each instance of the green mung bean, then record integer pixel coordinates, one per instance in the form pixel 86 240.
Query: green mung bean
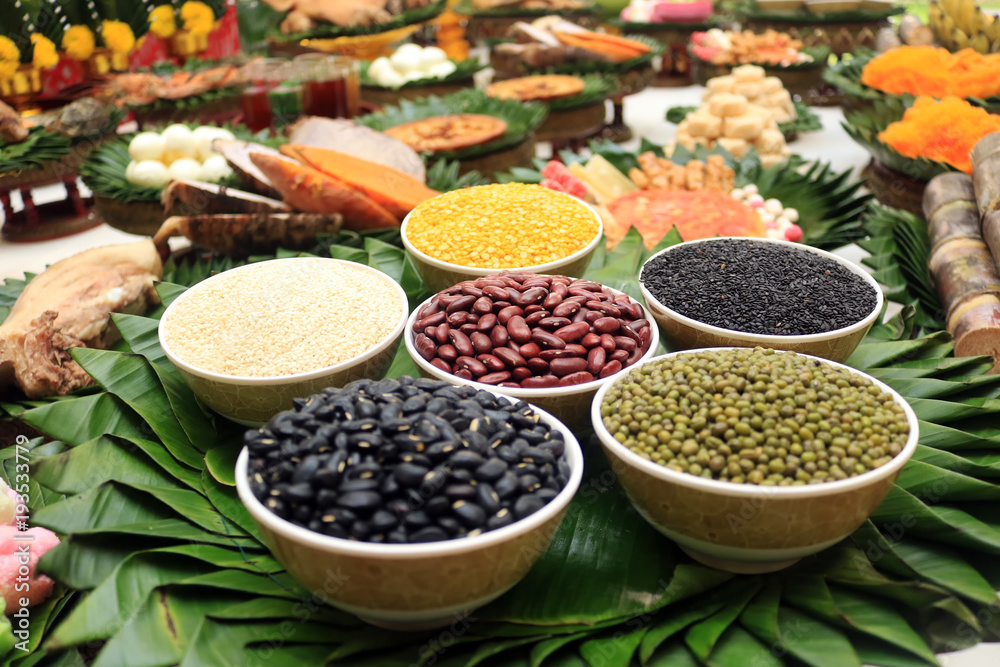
pixel 755 416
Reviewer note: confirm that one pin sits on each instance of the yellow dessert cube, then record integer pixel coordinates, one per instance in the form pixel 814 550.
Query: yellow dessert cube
pixel 770 141
pixel 701 123
pixel 747 126
pixel 727 104
pixel 772 84
pixel 748 73
pixel 737 147
pixel 720 84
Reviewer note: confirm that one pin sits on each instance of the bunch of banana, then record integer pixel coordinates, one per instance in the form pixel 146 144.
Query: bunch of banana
pixel 962 24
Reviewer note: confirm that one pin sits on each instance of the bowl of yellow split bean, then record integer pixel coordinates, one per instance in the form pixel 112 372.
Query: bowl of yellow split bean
pixel 481 231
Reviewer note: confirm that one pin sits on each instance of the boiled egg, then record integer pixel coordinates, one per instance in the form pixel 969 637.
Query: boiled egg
pixel 146 146
pixel 441 70
pixel 150 174
pixel 185 168
pixel 179 142
pixel 431 56
pixel 215 169
pixel 406 58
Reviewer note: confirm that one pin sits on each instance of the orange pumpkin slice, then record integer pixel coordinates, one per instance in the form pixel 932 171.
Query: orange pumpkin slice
pixel 448 133
pixel 543 87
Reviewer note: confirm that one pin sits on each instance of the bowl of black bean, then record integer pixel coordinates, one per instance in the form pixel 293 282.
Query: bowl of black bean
pixel 751 458
pixel 409 502
pixel 723 292
pixel 548 340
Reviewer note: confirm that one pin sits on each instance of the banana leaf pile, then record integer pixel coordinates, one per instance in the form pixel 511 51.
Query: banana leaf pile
pixel 39 148
pixel 162 565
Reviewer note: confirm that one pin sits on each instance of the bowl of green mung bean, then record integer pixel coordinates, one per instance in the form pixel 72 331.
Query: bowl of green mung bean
pixel 721 292
pixel 488 229
pixel 750 458
pixel 251 340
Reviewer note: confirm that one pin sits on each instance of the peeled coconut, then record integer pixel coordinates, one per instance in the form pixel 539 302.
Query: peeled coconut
pixel 215 168
pixel 149 174
pixel 179 142
pixel 186 169
pixel 146 146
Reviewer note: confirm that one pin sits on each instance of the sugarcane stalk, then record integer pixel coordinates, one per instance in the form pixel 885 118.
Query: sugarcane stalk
pixel 975 326
pixel 963 268
pixel 947 188
pixel 955 220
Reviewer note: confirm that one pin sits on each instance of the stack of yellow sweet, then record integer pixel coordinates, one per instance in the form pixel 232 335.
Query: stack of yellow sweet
pixel 753 83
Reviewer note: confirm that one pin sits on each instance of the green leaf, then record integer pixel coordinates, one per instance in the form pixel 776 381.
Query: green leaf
pixel 220 460
pixel 545 648
pixel 676 655
pixel 214 642
pixel 231 508
pixel 95 462
pixel 616 650
pixel 702 637
pixel 738 648
pixel 77 420
pixel 671 626
pixel 923 479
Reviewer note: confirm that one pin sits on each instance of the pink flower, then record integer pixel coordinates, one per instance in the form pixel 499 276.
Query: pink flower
pixel 18 562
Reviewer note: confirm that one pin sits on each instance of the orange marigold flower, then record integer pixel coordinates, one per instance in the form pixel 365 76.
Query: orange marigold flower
pixel 927 70
pixel 942 131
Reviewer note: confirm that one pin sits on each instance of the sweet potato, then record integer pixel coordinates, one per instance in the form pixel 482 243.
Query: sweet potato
pixel 309 191
pixel 618 49
pixel 397 192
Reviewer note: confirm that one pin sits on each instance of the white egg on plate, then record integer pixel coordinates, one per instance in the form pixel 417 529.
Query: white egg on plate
pixel 378 67
pixel 392 79
pixel 215 169
pixel 130 171
pixel 178 142
pixel 146 146
pixel 431 56
pixel 441 70
pixel 406 58
pixel 150 174
pixel 185 168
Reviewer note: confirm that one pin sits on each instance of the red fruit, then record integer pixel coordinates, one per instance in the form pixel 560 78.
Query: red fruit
pixel 793 233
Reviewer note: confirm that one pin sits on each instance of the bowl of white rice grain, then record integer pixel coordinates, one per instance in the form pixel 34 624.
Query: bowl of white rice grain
pixel 250 340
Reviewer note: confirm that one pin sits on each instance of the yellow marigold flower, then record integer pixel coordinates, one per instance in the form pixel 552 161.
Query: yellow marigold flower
pixel 162 21
pixel 198 17
pixel 10 57
pixel 45 55
pixel 78 42
pixel 117 36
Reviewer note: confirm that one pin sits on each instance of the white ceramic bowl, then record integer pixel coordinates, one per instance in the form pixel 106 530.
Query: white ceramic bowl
pixel 439 275
pixel 414 586
pixel 571 405
pixel 251 401
pixel 685 333
pixel 745 528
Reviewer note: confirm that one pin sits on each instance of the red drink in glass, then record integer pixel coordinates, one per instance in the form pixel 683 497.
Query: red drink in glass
pixel 257 114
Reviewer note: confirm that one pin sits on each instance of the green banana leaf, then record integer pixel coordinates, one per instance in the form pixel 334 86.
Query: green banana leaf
pixel 162 554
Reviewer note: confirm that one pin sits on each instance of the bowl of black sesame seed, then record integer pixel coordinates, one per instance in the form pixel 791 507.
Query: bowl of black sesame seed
pixel 751 458
pixel 409 502
pixel 723 292
pixel 249 340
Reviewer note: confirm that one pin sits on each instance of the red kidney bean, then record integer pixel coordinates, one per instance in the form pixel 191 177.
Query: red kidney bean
pixel 487 281
pixel 431 332
pixel 441 365
pixel 482 305
pixel 605 308
pixel 633 357
pixel 566 309
pixel 471 290
pixel 430 321
pixel 446 299
pixel 575 378
pixel 448 353
pixel 619 355
pixel 510 385
pixel 442 334
pixel 512 345
pixel 486 323
pixel 521 373
pixel 507 313
pixel 458 319
pixel 499 335
pixel 529 350
pixel 495 293
pixel 607 325
pixel 608 343
pixel 461 343
pixel 500 305
pixel 463 373
pixel 429 308
pixel 425 346
pixel 591 340
pixel 589 285
pixel 468 328
pixel 538 281
pixel 492 363
pixel 622 300
pixel 633 311
pixel 547 340
pixel 610 368
pixel 518 329
pixel 549 355
pixel 576 350
pixel 625 343
pixel 646 337
pixel 552 300
pixel 474 366
pixel 629 332
pixel 592 316
pixel 639 324
pixel 585 293
pixel 554 322
pixel 579 316
pixel 481 342
pixel 495 378
pixel 461 303
pixel 538 366
pixel 510 358
pixel 609 295
pixel 543 382
pixel 514 294
pixel 576 299
pixel 533 319
pixel 572 332
pixel 562 289
pixel 532 295
pixel 563 367
pixel 596 359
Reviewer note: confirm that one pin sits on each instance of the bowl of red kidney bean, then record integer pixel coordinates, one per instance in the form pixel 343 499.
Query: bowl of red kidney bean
pixel 549 340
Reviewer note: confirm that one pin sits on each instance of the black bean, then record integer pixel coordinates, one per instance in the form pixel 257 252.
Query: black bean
pixel 507 486
pixel 487 498
pixel 383 521
pixel 409 474
pixel 465 458
pixel 470 514
pixel 527 505
pixel 451 524
pixel 360 501
pixel 350 486
pixel 491 470
pixel 460 492
pixel 460 476
pixel 502 518
pixel 428 534
pixel 416 519
pixel 437 506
